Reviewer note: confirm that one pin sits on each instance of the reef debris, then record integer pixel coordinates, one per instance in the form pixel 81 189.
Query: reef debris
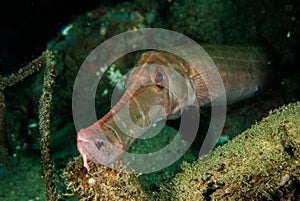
pixel 44 116
pixel 102 183
pixel 9 81
pixel 262 163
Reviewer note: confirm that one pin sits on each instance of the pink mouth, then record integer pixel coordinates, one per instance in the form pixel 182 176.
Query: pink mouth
pixel 93 146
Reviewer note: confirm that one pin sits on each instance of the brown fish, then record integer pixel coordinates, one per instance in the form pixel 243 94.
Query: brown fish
pixel 242 69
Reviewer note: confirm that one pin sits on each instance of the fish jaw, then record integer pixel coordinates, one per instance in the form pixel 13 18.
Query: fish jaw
pixel 94 146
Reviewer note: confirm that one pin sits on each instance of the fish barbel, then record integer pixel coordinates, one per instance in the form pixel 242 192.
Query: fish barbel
pixel 242 69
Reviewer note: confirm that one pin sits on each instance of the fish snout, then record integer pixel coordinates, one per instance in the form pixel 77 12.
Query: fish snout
pixel 94 146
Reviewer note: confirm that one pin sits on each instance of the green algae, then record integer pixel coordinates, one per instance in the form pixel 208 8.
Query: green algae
pixel 101 183
pixel 262 163
pixel 139 186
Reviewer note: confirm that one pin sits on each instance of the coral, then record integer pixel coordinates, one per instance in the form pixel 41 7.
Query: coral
pixel 102 183
pixel 45 109
pixel 48 59
pixel 262 163
pixel 8 82
pixel 108 184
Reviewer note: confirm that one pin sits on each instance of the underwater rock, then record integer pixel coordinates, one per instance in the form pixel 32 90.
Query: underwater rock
pixel 102 183
pixel 137 187
pixel 262 163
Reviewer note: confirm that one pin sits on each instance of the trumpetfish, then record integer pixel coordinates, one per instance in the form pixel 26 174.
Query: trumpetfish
pixel 242 69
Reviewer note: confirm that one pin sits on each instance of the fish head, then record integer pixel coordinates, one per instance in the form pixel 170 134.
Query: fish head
pixel 160 79
pixel 154 91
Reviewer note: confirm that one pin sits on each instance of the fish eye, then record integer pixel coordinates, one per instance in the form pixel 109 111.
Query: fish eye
pixel 158 77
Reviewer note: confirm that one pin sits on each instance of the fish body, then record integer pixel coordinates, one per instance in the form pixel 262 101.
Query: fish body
pixel 162 85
